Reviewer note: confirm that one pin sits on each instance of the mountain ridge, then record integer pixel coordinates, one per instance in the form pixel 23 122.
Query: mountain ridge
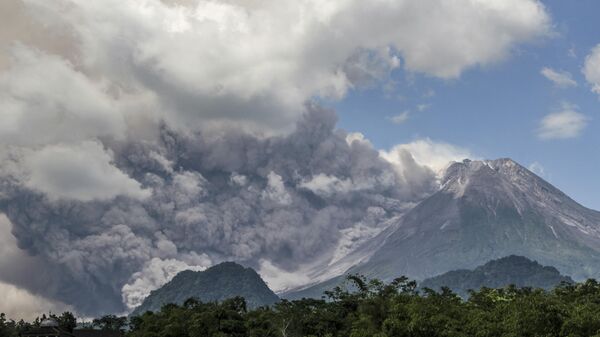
pixel 510 270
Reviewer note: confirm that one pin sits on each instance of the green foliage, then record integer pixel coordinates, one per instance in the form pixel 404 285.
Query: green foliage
pixel 8 328
pixel 66 321
pixel 499 273
pixel 218 283
pixel 110 322
pixel 371 308
pixel 12 328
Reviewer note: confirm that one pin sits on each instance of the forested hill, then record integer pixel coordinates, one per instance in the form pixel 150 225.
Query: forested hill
pixel 516 270
pixel 218 283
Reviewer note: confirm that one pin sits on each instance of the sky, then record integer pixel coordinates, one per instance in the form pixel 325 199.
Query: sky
pixel 142 138
pixel 496 111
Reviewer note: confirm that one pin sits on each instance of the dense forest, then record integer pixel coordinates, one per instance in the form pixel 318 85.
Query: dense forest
pixel 372 309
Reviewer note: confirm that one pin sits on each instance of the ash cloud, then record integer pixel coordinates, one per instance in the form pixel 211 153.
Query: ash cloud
pixel 233 197
pixel 142 137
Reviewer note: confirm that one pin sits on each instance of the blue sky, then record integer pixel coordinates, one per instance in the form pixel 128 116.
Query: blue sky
pixel 495 111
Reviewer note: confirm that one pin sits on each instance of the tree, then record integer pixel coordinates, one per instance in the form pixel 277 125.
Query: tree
pixel 110 322
pixel 7 327
pixel 66 321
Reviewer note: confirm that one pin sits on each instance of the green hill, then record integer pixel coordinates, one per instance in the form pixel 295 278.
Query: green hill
pixel 218 283
pixel 516 270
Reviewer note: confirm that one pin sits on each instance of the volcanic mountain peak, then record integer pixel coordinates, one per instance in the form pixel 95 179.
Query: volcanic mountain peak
pixel 485 210
pixel 487 173
pixel 500 168
pixel 505 182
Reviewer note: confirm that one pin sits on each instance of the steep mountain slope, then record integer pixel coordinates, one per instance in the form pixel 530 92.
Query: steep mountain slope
pixel 217 283
pixel 485 210
pixel 517 270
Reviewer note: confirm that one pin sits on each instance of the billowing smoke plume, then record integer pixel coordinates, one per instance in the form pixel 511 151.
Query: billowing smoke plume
pixel 143 137
pixel 201 200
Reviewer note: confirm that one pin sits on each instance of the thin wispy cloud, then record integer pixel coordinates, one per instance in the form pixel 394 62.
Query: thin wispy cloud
pixel 564 124
pixel 591 69
pixel 429 93
pixel 400 118
pixel 537 168
pixel 423 107
pixel 561 79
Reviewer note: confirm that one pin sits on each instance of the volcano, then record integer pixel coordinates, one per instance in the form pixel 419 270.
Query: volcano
pixel 484 210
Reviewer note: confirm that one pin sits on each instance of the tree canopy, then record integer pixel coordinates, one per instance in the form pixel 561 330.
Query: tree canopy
pixel 371 308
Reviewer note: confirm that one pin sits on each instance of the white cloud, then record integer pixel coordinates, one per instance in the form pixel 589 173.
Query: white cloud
pixel 566 123
pixel 257 62
pixel 400 118
pixel 238 179
pixel 357 137
pixel 537 168
pixel 43 99
pixel 429 93
pixel 325 185
pixel 189 183
pixel 591 69
pixel 423 107
pixel 561 79
pixel 155 274
pixel 80 172
pixel 426 152
pixel 275 190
